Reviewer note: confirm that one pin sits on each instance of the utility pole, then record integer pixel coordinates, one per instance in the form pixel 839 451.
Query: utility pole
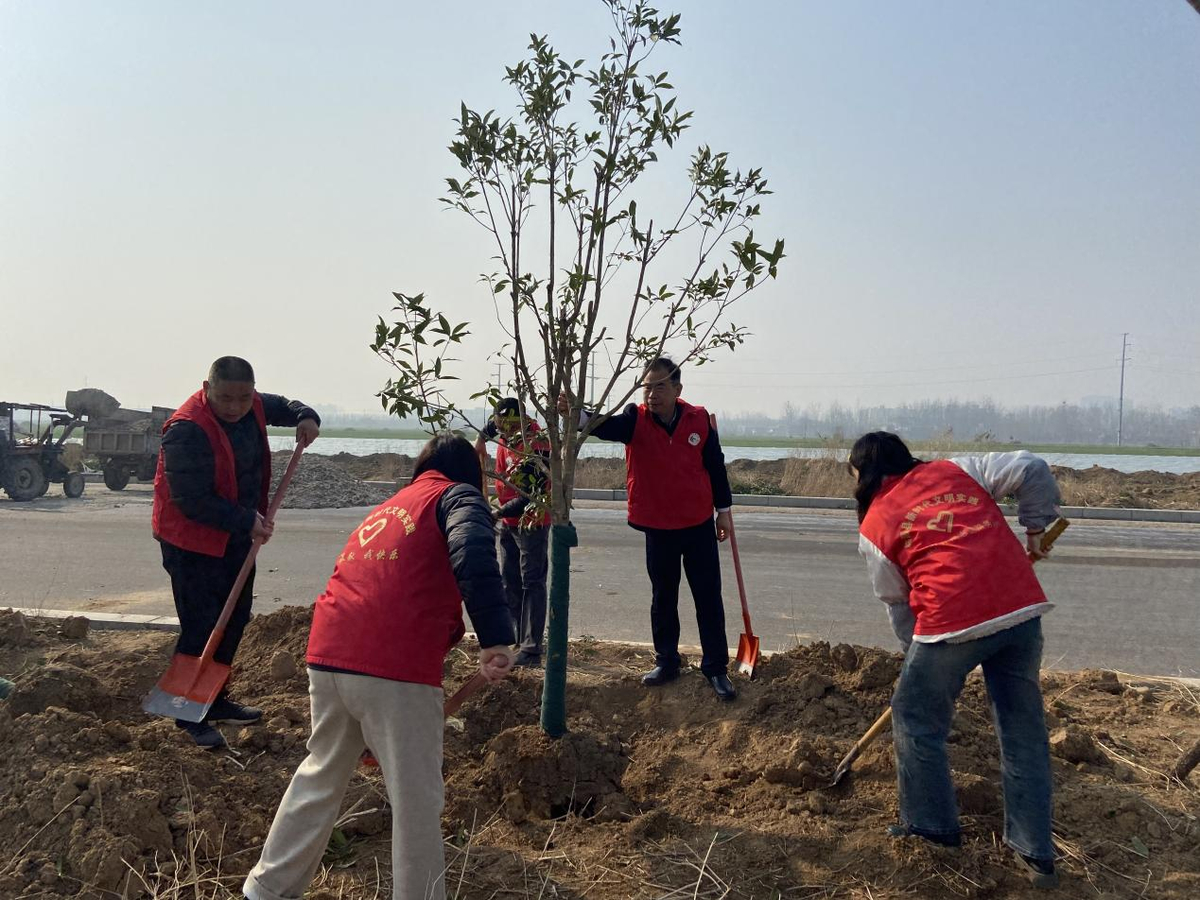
pixel 1121 396
pixel 499 375
pixel 592 375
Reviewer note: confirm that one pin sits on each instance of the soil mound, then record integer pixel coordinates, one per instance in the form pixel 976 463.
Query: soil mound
pixel 827 477
pixel 322 484
pixel 651 792
pixel 375 466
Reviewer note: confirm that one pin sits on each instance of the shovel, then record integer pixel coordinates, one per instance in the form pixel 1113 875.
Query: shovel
pixel 747 651
pixel 1056 528
pixel 191 683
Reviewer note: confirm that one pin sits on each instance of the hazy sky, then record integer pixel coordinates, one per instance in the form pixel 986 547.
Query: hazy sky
pixel 978 198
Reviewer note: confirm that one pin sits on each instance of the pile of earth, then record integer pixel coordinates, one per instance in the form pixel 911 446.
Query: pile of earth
pixel 827 477
pixel 375 466
pixel 652 793
pixel 320 483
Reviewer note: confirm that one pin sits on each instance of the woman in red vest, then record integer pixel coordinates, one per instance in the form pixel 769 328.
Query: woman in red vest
pixel 962 593
pixel 675 480
pixel 210 493
pixel 390 613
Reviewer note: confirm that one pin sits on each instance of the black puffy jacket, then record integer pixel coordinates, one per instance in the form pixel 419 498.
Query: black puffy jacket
pixel 466 521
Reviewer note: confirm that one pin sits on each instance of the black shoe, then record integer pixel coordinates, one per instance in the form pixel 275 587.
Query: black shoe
pixel 205 736
pixel 723 686
pixel 227 712
pixel 944 840
pixel 659 675
pixel 1040 872
pixel 525 658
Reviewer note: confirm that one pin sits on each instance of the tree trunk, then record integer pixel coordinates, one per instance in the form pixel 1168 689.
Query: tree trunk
pixel 554 687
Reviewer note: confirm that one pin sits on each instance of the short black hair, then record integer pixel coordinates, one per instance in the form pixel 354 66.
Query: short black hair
pixel 667 365
pixel 230 368
pixel 453 456
pixel 509 406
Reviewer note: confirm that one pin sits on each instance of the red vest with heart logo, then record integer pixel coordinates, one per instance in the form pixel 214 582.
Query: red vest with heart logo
pixel 171 525
pixel 948 537
pixel 392 608
pixel 667 484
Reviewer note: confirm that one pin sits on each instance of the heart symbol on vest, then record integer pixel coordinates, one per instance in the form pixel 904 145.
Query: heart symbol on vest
pixel 943 521
pixel 368 533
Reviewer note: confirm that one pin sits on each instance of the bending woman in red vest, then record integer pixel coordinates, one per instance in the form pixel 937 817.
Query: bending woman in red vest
pixel 961 592
pixel 390 613
pixel 210 493
pixel 675 476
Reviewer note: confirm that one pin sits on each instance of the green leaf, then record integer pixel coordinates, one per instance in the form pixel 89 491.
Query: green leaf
pixel 1139 848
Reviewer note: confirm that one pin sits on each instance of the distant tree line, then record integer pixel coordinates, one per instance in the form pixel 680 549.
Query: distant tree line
pixel 984 421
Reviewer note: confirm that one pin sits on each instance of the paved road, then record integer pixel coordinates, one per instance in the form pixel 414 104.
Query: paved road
pixel 1128 595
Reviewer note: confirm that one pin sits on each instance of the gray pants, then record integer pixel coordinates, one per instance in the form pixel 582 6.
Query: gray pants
pixel 402 723
pixel 524 562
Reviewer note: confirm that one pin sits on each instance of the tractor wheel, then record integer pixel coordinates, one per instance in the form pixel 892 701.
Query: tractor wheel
pixel 25 479
pixel 116 477
pixel 73 485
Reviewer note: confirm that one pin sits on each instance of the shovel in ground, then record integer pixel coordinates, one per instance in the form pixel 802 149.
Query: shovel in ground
pixel 747 651
pixel 191 683
pixel 1052 533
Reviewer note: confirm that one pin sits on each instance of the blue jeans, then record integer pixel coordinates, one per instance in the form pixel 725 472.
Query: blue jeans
pixel 922 709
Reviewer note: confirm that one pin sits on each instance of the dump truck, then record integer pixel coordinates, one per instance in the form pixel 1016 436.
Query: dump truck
pixel 125 442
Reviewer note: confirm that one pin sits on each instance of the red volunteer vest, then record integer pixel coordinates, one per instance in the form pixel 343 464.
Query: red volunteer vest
pixel 506 462
pixel 172 526
pixel 945 533
pixel 392 608
pixel 667 484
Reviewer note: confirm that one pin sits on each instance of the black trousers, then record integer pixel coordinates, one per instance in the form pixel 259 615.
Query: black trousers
pixel 524 562
pixel 201 585
pixel 696 548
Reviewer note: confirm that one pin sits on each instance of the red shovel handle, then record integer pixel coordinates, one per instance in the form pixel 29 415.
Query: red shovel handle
pixel 218 631
pixel 737 560
pixel 737 568
pixel 460 696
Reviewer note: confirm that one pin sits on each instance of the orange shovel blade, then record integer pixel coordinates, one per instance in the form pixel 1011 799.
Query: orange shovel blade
pixel 747 654
pixel 188 688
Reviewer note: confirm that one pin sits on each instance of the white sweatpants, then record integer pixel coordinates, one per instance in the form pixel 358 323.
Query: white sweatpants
pixel 402 724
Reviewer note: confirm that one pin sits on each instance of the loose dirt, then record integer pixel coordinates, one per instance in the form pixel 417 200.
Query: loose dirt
pixel 652 793
pixel 320 483
pixel 1096 486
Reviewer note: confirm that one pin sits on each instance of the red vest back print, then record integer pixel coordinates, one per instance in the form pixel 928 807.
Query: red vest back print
pixel 667 484
pixel 392 608
pixel 508 460
pixel 171 525
pixel 963 563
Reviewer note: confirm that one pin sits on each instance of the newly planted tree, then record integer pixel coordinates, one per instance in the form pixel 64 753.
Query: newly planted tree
pixel 579 264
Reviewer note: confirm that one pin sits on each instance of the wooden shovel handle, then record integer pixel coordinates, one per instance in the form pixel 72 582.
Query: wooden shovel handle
pixel 460 696
pixel 218 631
pixel 737 560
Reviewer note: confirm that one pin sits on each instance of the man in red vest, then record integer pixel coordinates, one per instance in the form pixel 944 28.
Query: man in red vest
pixel 381 630
pixel 675 476
pixel 522 467
pixel 210 493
